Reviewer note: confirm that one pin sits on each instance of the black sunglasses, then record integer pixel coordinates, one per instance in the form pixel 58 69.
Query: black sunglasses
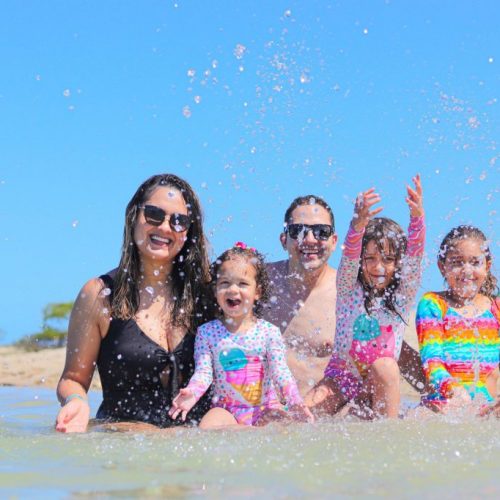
pixel 156 216
pixel 320 231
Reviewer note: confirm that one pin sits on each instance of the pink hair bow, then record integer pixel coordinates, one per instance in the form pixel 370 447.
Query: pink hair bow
pixel 244 246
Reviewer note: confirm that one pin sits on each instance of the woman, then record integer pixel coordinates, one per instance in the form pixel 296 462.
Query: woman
pixel 137 322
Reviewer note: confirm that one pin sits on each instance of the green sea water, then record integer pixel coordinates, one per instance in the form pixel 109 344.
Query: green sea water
pixel 447 458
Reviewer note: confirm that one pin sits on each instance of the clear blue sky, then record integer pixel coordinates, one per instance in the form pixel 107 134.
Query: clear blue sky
pixel 254 103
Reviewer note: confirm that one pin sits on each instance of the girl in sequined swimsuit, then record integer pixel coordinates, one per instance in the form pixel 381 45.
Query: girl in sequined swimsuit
pixel 377 282
pixel 242 355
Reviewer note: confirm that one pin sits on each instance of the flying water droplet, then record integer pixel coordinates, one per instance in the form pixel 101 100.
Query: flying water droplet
pixel 239 51
pixel 186 111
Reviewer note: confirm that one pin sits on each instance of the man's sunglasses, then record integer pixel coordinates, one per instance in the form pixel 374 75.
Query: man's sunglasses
pixel 156 216
pixel 320 231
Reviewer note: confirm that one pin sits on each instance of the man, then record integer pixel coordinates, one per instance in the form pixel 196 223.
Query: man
pixel 303 301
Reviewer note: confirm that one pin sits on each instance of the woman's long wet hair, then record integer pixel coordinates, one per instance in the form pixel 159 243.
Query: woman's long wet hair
pixel 386 234
pixel 460 233
pixel 190 275
pixel 254 258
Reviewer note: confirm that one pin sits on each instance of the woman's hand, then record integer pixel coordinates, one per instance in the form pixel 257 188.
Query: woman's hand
pixel 414 200
pixel 363 209
pixel 73 416
pixel 182 404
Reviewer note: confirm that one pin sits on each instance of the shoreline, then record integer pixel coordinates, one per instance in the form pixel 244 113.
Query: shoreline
pixel 20 368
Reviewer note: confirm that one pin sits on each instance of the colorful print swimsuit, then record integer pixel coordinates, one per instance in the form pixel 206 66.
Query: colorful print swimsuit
pixel 361 338
pixel 457 350
pixel 243 368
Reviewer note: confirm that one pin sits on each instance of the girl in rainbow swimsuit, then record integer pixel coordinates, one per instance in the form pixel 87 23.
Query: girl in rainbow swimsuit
pixel 241 354
pixel 458 329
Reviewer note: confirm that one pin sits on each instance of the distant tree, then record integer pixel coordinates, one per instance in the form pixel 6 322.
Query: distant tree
pixel 54 328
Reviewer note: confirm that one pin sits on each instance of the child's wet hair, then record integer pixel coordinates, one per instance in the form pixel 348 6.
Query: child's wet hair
pixel 256 259
pixel 464 232
pixel 384 231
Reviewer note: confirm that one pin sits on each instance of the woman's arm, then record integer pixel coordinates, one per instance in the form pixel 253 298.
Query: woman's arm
pixel 84 341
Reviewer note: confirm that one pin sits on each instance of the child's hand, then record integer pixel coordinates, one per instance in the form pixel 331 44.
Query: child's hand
pixel 302 413
pixel 488 410
pixel 362 209
pixel 182 404
pixel 414 198
pixel 459 398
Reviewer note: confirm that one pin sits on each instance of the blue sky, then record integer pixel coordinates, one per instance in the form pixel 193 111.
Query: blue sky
pixel 254 103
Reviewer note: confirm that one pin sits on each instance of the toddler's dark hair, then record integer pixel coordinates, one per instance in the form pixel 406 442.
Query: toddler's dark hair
pixel 256 259
pixel 384 231
pixel 460 233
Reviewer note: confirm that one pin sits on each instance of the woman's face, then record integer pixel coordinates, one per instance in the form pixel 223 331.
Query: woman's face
pixel 161 240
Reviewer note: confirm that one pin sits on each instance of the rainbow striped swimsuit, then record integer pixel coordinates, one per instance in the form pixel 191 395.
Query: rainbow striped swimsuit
pixel 456 350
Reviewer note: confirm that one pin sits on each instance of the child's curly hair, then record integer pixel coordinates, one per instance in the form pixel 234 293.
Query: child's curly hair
pixel 460 233
pixel 256 259
pixel 384 231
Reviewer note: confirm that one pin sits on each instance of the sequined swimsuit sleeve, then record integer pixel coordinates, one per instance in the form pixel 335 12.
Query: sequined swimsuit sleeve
pixel 203 374
pixel 347 277
pixel 411 270
pixel 278 368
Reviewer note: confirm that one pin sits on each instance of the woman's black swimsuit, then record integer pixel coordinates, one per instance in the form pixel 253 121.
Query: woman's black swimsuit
pixel 131 365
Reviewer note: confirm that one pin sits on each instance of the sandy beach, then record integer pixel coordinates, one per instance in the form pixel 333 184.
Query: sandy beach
pixel 42 368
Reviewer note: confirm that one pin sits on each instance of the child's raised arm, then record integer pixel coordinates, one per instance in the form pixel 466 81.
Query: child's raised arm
pixel 363 209
pixel 347 273
pixel 415 198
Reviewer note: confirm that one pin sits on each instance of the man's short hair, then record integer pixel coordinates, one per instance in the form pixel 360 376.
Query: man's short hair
pixel 309 199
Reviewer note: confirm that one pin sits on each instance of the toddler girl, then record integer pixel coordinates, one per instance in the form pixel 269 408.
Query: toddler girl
pixel 241 354
pixel 458 329
pixel 377 281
